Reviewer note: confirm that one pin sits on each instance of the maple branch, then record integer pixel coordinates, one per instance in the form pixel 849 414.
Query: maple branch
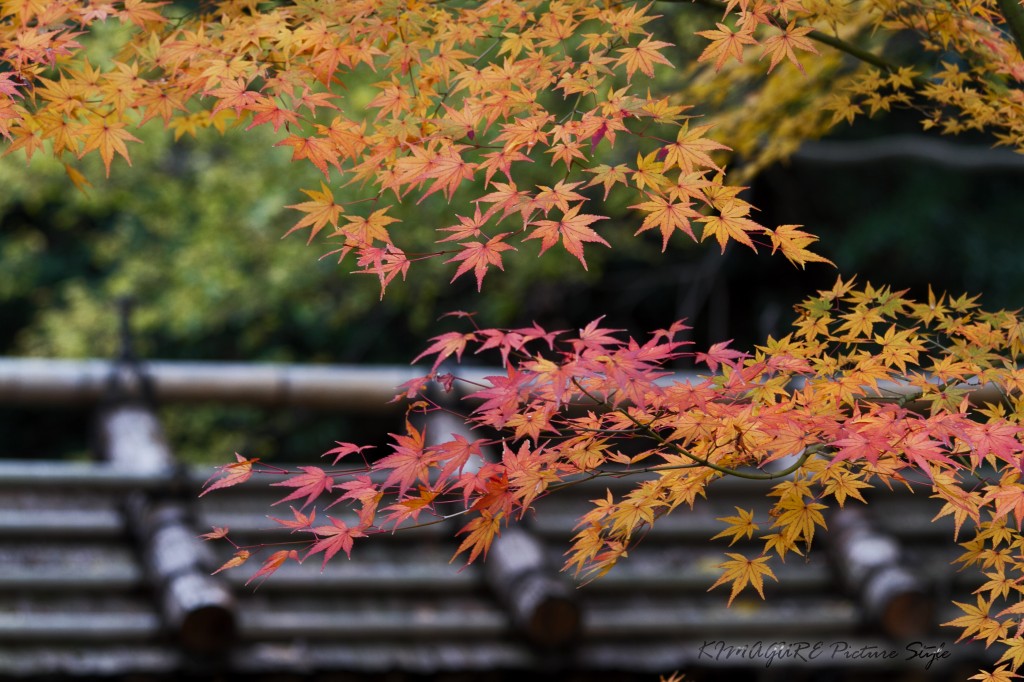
pixel 834 41
pixel 654 435
pixel 752 476
pixel 1014 14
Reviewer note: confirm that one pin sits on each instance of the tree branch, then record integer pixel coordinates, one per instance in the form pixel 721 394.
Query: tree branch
pixel 840 44
pixel 654 435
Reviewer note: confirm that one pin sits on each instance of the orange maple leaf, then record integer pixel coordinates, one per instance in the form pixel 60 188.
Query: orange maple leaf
pixel 235 95
pixel 240 557
pixel 781 46
pixel 725 44
pixel 643 57
pixel 479 256
pixel 481 533
pixel 319 151
pixel 107 137
pixel 667 216
pixel 320 212
pixel 572 229
pixel 232 474
pixel 691 149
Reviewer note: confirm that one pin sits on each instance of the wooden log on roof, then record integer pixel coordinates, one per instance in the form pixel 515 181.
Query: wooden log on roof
pixel 196 606
pixel 871 567
pixel 540 604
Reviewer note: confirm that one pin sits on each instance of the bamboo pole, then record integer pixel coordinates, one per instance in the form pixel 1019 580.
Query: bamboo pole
pixel 351 388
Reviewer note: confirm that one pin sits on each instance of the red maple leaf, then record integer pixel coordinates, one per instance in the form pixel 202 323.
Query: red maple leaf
pixel 334 538
pixel 313 483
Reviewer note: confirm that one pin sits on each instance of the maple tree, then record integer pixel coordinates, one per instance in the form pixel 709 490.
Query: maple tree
pixel 469 100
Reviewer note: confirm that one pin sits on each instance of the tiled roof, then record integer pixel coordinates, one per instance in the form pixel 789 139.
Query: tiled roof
pixel 101 574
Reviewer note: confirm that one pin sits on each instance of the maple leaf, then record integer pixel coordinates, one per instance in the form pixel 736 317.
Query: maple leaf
pixel 468 228
pixel 558 196
pixel 313 483
pixel 649 171
pixel 1014 653
pixel 449 169
pixel 240 557
pixel 360 232
pixel 301 521
pixel 780 47
pixel 608 176
pixel 725 43
pixel 454 455
pixel 411 507
pixel 668 216
pixel 320 212
pixel 479 256
pixel 446 345
pixel 334 538
pixel 719 353
pixel 977 621
pixel 741 571
pixel 274 562
pixel 480 533
pixel 1000 674
pixel 231 474
pixel 142 13
pixel 109 138
pixel 319 151
pixel 509 199
pixel 691 149
pixel 573 229
pixel 216 534
pixel 731 223
pixel 643 57
pixel 235 95
pixel 344 450
pixel 266 110
pixel 739 526
pixel 410 460
pixel 799 517
pixel 76 177
pixel 793 243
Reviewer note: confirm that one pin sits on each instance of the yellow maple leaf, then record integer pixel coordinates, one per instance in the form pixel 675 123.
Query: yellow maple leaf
pixel 793 243
pixel 109 138
pixel 741 571
pixel 740 525
pixel 979 623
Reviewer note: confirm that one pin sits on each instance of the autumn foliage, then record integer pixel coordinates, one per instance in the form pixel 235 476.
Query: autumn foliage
pixel 469 100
